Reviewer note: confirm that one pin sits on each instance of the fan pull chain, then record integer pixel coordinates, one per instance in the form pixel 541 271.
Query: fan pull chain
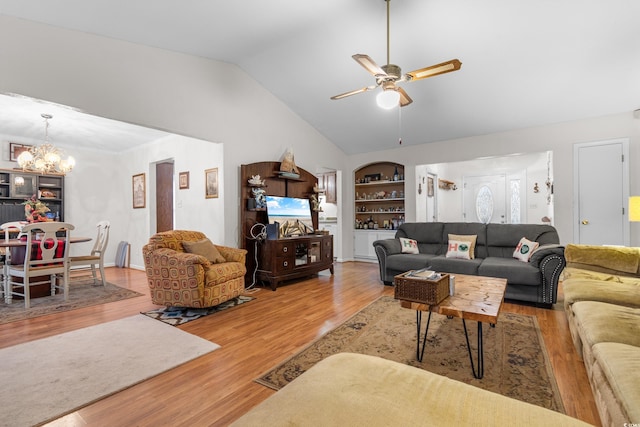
pixel 399 125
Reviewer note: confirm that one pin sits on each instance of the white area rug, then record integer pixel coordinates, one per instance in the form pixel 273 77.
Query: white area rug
pixel 48 378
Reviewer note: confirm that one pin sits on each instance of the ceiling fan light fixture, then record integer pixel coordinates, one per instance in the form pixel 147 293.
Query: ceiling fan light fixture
pixel 388 99
pixel 388 75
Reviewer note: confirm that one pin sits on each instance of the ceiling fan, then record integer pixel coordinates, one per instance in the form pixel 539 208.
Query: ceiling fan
pixel 388 75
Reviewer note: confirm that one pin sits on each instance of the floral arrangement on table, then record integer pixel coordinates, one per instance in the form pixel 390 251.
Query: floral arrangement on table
pixel 35 210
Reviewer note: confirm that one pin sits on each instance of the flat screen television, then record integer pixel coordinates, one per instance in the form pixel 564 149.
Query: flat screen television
pixel 291 213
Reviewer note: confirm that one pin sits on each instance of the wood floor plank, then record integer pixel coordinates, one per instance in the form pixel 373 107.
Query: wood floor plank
pixel 217 388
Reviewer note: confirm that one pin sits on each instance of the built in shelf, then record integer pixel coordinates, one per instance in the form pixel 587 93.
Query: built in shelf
pixel 383 193
pixel 380 212
pixel 380 200
pixel 381 182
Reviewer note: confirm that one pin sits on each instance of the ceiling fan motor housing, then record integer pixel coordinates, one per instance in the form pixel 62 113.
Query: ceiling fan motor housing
pixel 388 85
pixel 393 72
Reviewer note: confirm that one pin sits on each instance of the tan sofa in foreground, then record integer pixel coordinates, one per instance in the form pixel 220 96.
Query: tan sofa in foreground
pixel 601 286
pixel 358 390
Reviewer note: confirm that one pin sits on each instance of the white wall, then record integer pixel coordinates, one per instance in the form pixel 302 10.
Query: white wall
pixel 192 211
pixel 558 138
pixel 218 102
pixel 531 167
pixel 182 94
pixel 93 192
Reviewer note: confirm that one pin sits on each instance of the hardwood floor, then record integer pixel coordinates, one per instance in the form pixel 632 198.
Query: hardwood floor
pixel 217 388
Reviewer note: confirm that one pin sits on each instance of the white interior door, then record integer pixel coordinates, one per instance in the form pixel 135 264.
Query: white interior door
pixel 601 187
pixel 484 199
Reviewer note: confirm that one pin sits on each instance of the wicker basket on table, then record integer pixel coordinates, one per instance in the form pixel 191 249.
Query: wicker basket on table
pixel 421 289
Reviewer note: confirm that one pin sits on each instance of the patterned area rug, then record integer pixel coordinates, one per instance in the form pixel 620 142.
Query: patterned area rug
pixel 515 359
pixel 82 293
pixel 180 315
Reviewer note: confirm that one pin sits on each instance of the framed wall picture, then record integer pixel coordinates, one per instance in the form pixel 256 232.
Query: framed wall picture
pixel 16 149
pixel 139 191
pixel 211 183
pixel 183 180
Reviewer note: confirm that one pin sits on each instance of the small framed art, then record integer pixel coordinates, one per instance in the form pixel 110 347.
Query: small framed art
pixel 211 183
pixel 183 180
pixel 16 149
pixel 139 191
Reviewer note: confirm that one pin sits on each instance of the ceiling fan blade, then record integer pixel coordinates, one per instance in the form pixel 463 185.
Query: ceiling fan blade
pixel 353 92
pixel 369 64
pixel 405 99
pixel 434 70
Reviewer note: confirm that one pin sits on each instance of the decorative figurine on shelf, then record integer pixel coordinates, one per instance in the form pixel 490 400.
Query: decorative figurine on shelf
pixel 260 197
pixel 315 204
pixel 288 166
pixel 256 180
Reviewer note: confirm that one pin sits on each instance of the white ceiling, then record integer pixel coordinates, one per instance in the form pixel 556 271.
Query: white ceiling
pixel 523 63
pixel 22 121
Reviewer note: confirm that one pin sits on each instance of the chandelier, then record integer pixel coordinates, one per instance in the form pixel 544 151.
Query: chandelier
pixel 45 158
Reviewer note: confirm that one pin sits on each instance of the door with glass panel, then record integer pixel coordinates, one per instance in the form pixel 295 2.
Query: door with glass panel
pixel 484 199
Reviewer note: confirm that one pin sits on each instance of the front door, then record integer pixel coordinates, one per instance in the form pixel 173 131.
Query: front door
pixel 601 187
pixel 484 199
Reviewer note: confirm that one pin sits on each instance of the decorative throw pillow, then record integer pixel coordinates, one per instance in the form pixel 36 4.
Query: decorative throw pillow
pixel 471 238
pixel 459 249
pixel 525 249
pixel 409 246
pixel 204 248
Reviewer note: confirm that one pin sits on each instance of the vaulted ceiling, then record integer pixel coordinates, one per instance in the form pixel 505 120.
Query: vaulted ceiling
pixel 524 64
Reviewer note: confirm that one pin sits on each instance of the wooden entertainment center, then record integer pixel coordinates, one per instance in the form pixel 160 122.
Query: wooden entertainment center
pixel 279 258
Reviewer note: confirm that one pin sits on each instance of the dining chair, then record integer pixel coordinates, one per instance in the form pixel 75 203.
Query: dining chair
pixel 46 254
pixel 8 228
pixel 96 257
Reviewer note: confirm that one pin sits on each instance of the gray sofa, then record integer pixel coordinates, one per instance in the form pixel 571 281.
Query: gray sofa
pixel 535 281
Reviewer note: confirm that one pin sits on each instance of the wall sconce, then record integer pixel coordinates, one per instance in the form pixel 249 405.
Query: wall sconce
pixel 447 185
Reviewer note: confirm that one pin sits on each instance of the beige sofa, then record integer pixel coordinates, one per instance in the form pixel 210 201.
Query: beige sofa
pixel 357 390
pixel 601 286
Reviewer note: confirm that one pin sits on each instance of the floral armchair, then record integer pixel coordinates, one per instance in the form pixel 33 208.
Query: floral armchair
pixel 182 279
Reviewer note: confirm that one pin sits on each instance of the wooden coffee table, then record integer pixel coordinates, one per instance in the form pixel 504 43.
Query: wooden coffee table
pixel 476 298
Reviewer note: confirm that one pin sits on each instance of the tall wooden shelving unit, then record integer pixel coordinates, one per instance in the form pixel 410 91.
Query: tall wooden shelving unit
pixel 274 266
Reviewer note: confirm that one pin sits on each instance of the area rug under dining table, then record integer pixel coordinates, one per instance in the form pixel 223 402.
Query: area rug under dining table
pixel 515 358
pixel 82 293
